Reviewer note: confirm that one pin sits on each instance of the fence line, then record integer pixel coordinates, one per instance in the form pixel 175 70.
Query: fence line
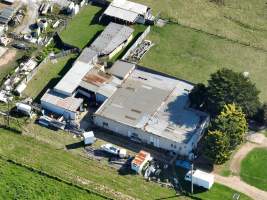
pixel 137 42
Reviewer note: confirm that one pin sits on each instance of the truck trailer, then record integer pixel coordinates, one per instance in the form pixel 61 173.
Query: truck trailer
pixel 200 178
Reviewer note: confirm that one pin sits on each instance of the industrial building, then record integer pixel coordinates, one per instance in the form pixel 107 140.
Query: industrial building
pixel 153 109
pixel 112 40
pixel 145 106
pixel 127 11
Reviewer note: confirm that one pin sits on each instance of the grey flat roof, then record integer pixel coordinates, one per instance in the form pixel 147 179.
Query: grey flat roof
pixel 62 101
pixel 121 68
pixel 112 37
pixel 87 55
pixel 156 104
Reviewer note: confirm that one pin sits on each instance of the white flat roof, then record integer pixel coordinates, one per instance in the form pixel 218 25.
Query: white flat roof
pixel 72 79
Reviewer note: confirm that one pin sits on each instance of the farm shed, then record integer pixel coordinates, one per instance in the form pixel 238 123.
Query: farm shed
pixel 128 11
pixel 113 39
pixel 61 104
pixel 154 109
pixel 70 82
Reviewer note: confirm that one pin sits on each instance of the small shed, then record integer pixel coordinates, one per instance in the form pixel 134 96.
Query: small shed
pixel 20 88
pixel 89 138
pixel 140 160
pixel 24 108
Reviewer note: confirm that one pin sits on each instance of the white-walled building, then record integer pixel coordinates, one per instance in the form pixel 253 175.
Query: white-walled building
pixel 154 109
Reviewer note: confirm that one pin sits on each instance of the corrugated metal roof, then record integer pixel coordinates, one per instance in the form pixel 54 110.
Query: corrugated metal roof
pixel 155 104
pixel 62 101
pixel 72 79
pixel 130 6
pixel 121 14
pixel 100 82
pixel 112 37
pixel 126 10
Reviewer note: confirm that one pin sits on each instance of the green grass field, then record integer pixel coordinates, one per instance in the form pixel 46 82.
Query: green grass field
pixel 48 76
pixel 83 28
pixel 243 20
pixel 193 56
pixel 19 183
pixel 253 168
pixel 91 174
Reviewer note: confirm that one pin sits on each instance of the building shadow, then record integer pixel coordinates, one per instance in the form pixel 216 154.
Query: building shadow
pixel 75 145
pixel 52 83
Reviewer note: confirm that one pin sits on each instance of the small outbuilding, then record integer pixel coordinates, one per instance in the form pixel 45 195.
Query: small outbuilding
pixel 127 11
pixel 89 138
pixel 60 104
pixel 140 160
pixel 24 108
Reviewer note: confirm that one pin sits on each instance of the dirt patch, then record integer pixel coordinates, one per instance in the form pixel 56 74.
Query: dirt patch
pixel 8 57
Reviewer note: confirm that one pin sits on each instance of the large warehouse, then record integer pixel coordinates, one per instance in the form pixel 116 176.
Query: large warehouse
pixel 153 109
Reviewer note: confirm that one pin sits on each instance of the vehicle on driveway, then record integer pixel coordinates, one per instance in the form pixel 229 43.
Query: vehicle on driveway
pixel 111 149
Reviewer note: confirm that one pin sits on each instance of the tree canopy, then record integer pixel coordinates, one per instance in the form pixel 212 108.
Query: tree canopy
pixel 226 132
pixel 226 87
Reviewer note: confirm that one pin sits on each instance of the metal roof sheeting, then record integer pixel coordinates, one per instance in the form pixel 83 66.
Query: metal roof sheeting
pixel 72 79
pixel 111 38
pixel 126 10
pixel 121 14
pixel 65 102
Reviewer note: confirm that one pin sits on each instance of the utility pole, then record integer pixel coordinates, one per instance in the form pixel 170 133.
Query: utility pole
pixel 192 184
pixel 8 120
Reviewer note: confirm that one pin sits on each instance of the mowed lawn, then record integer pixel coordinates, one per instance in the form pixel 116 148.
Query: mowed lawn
pixel 83 28
pixel 193 56
pixel 242 20
pixel 90 173
pixel 254 168
pixel 48 76
pixel 19 183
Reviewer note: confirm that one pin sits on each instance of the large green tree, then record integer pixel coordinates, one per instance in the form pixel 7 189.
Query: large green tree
pixel 198 96
pixel 217 146
pixel 233 123
pixel 226 87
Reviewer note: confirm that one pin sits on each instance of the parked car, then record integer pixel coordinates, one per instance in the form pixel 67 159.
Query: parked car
pixel 20 46
pixel 109 148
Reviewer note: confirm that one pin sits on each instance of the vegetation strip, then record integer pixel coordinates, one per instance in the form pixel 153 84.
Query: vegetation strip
pixel 43 173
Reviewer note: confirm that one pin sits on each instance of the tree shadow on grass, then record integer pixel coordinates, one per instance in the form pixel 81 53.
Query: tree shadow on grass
pixel 52 83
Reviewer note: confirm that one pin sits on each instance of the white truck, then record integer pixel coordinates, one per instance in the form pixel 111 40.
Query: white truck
pixel 200 178
pixel 109 148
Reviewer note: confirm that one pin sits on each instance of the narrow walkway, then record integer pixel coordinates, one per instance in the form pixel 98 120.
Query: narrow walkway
pixel 236 183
